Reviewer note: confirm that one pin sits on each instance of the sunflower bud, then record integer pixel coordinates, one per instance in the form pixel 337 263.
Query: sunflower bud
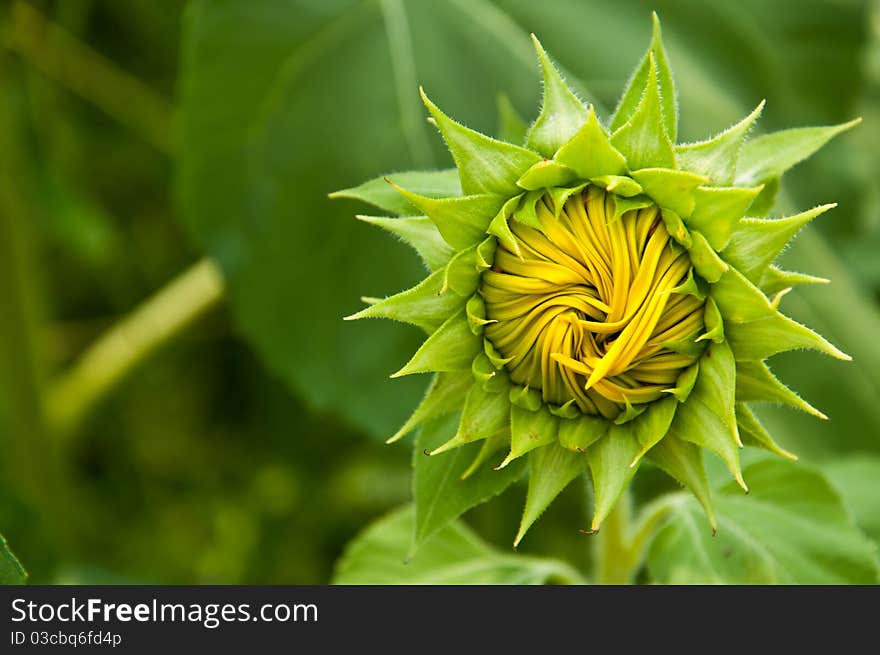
pixel 601 295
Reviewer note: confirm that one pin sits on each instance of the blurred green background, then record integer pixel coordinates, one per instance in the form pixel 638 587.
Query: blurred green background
pixel 235 436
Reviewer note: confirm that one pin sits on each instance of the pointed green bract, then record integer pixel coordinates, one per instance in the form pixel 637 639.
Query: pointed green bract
pixel 775 280
pixel 462 221
pixel 484 414
pixel 655 61
pixel 485 165
pixel 713 321
pixel 623 205
pixel 610 460
pixel 705 260
pixel 551 469
pixel 756 243
pixel 676 228
pixel 444 395
pixel 755 329
pixel 685 383
pixel 462 274
pixel 643 139
pixel 378 192
pixel 708 418
pixel 717 157
pixel 620 185
pixel 424 305
pixel 754 434
pixel 652 425
pixel 589 152
pixel 499 227
pixel 717 212
pixel 546 174
pixel 580 433
pixel 529 430
pixel 755 382
pixel 771 155
pixel 683 461
pixel 561 111
pixel 418 232
pixel 670 188
pixel 451 348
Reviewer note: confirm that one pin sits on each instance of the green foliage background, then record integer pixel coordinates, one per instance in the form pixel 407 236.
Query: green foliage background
pixel 249 448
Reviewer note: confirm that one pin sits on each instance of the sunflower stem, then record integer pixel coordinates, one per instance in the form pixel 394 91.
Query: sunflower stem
pixel 612 554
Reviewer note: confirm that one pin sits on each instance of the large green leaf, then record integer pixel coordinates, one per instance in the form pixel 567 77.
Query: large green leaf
pixel 11 570
pixel 455 555
pixel 857 478
pixel 791 529
pixel 440 491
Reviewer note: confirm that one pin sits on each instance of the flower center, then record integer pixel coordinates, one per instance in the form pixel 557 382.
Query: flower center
pixel 586 313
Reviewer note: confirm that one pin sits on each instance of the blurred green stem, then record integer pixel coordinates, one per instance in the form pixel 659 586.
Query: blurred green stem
pixel 61 57
pixel 106 362
pixel 621 545
pixel 33 461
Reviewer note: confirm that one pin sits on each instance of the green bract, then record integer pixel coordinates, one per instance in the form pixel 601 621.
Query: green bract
pixel 599 295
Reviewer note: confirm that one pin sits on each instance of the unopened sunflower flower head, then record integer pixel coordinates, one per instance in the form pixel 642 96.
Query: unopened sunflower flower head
pixel 600 295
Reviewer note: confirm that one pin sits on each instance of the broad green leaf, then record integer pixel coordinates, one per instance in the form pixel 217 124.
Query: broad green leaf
pixel 857 479
pixel 439 492
pixel 562 113
pixel 791 529
pixel 11 570
pixel 455 555
pixel 769 156
pixel 380 193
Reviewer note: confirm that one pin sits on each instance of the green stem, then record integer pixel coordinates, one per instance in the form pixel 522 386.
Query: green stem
pixel 33 462
pixel 106 362
pixel 611 552
pixel 621 545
